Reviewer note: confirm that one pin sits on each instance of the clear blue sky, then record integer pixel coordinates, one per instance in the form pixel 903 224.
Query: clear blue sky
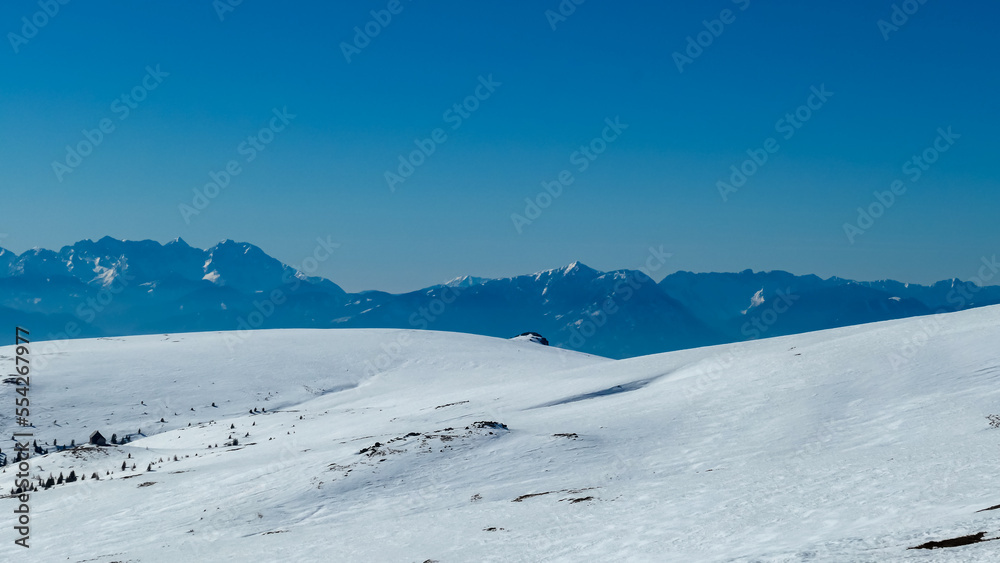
pixel 323 174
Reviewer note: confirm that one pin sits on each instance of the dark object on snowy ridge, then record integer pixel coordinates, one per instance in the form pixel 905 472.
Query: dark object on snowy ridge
pixel 490 424
pixel 535 337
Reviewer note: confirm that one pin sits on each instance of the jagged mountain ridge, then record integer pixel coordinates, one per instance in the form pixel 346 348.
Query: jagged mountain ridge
pixel 113 287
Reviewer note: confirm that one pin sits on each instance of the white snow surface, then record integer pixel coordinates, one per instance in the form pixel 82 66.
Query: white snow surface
pixel 844 445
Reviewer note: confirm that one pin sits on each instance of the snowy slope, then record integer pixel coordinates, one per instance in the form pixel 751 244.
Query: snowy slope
pixel 844 445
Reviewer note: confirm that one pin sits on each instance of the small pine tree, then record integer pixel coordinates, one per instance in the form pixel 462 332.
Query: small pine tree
pixel 150 467
pixel 123 466
pixel 133 467
pixel 72 477
pixel 114 439
pixel 72 443
pixel 95 476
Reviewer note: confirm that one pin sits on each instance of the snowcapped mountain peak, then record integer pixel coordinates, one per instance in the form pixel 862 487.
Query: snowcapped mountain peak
pixel 465 281
pixel 230 244
pixel 573 270
pixel 579 268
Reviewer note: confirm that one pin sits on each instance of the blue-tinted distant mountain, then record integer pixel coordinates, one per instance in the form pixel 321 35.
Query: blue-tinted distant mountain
pixel 823 308
pixel 614 314
pixel 112 287
pixel 115 287
pixel 949 295
pixel 730 302
pixel 719 298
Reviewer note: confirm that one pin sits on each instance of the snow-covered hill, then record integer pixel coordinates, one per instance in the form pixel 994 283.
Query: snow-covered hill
pixel 381 445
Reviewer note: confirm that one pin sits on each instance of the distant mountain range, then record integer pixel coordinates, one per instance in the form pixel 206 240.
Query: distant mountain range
pixel 115 288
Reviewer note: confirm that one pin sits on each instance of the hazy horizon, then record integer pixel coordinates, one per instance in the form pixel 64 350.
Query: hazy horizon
pixel 661 271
